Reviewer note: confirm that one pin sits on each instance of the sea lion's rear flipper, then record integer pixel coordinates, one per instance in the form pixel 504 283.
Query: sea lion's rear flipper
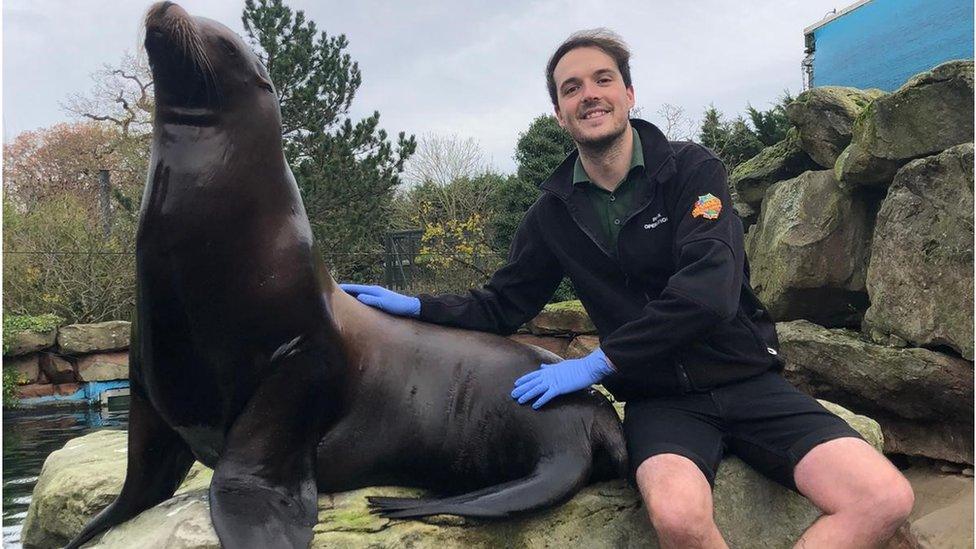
pixel 157 462
pixel 554 480
pixel 263 491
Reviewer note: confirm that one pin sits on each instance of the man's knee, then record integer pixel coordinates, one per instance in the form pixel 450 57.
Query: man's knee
pixel 891 502
pixel 677 497
pixel 847 477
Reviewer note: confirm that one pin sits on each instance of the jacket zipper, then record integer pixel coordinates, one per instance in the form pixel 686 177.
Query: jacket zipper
pixel 572 214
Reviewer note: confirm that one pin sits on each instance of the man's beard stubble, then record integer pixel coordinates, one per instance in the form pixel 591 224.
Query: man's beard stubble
pixel 598 146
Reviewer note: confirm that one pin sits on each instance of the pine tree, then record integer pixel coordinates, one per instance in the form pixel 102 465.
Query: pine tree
pixel 538 152
pixel 346 171
pixel 771 125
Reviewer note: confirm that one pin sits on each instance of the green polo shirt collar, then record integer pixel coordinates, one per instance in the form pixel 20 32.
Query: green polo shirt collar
pixel 636 160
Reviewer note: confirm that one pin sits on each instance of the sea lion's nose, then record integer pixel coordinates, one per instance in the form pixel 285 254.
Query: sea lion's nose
pixel 161 11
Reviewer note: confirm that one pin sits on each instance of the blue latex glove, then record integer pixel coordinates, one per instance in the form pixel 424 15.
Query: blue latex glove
pixel 384 300
pixel 552 380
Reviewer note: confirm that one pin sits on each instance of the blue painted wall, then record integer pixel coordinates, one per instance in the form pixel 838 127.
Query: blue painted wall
pixel 885 42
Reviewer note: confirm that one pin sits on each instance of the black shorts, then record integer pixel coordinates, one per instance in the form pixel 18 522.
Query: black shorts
pixel 763 420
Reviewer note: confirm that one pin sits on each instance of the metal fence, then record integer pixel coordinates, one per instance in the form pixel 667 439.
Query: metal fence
pixel 92 286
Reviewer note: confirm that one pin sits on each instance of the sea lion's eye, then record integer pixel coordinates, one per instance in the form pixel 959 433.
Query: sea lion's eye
pixel 229 48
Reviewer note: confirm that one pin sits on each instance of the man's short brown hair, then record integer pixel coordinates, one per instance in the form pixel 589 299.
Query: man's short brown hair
pixel 603 39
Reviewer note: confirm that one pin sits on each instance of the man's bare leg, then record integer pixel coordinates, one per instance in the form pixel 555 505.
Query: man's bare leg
pixel 863 496
pixel 678 500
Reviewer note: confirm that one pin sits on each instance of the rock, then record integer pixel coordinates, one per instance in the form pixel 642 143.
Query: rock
pixel 928 114
pixel 775 163
pixel 37 390
pixel 77 339
pixel 942 516
pixel 950 439
pixel 920 276
pixel 25 342
pixel 181 522
pixel 56 368
pixel 84 476
pixel 923 400
pixel 952 468
pixel 103 366
pixel 582 346
pixel 824 116
pixel 555 345
pixel 91 469
pixel 747 213
pixel 565 317
pixel 808 253
pixel 26 367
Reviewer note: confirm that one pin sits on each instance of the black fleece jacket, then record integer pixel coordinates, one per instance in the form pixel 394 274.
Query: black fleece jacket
pixel 672 302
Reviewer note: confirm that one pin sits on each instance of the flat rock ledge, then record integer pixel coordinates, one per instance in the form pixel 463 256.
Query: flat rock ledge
pixel 86 475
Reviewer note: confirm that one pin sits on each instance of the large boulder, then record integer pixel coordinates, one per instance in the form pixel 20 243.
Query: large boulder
pixel 56 369
pixel 922 399
pixel 824 116
pixel 26 367
pixel 28 341
pixel 104 366
pixel 563 318
pixel 928 114
pixel 781 161
pixel 25 334
pixel 85 475
pixel 809 251
pixel 943 512
pixel 77 339
pixel 920 277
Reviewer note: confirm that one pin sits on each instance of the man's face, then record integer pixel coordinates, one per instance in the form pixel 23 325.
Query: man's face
pixel 593 102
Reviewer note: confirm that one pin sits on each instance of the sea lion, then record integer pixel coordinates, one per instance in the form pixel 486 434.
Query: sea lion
pixel 247 356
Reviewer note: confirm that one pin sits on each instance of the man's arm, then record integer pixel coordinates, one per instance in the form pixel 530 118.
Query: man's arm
pixel 704 291
pixel 513 295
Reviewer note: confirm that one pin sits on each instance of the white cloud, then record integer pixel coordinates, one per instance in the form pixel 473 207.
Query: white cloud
pixel 471 69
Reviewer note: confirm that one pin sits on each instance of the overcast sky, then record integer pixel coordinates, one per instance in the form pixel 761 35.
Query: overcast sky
pixel 474 69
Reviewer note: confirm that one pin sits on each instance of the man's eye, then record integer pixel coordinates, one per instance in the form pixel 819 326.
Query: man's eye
pixel 569 90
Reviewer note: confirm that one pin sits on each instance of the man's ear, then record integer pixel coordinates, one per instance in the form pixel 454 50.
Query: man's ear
pixel 631 97
pixel 559 117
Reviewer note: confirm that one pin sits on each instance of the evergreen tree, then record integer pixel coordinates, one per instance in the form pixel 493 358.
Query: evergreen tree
pixel 771 125
pixel 538 152
pixel 713 134
pixel 733 141
pixel 346 171
pixel 541 148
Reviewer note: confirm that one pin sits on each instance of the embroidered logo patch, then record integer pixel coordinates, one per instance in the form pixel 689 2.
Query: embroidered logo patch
pixel 708 206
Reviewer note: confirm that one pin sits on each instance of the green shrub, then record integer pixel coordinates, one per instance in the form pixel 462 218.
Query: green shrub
pixel 11 379
pixel 56 259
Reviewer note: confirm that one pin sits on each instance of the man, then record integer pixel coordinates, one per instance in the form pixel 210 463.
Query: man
pixel 645 230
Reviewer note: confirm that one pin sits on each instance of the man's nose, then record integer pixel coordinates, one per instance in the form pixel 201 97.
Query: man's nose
pixel 590 91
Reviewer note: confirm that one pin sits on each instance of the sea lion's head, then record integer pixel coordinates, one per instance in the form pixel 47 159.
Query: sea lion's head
pixel 203 70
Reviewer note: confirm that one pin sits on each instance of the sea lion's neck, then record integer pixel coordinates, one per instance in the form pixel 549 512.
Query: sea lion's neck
pixel 187 116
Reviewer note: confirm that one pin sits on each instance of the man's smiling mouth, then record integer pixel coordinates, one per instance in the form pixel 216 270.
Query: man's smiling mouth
pixel 595 114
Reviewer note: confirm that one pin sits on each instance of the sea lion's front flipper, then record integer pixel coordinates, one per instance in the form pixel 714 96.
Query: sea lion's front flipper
pixel 263 492
pixel 554 480
pixel 158 460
